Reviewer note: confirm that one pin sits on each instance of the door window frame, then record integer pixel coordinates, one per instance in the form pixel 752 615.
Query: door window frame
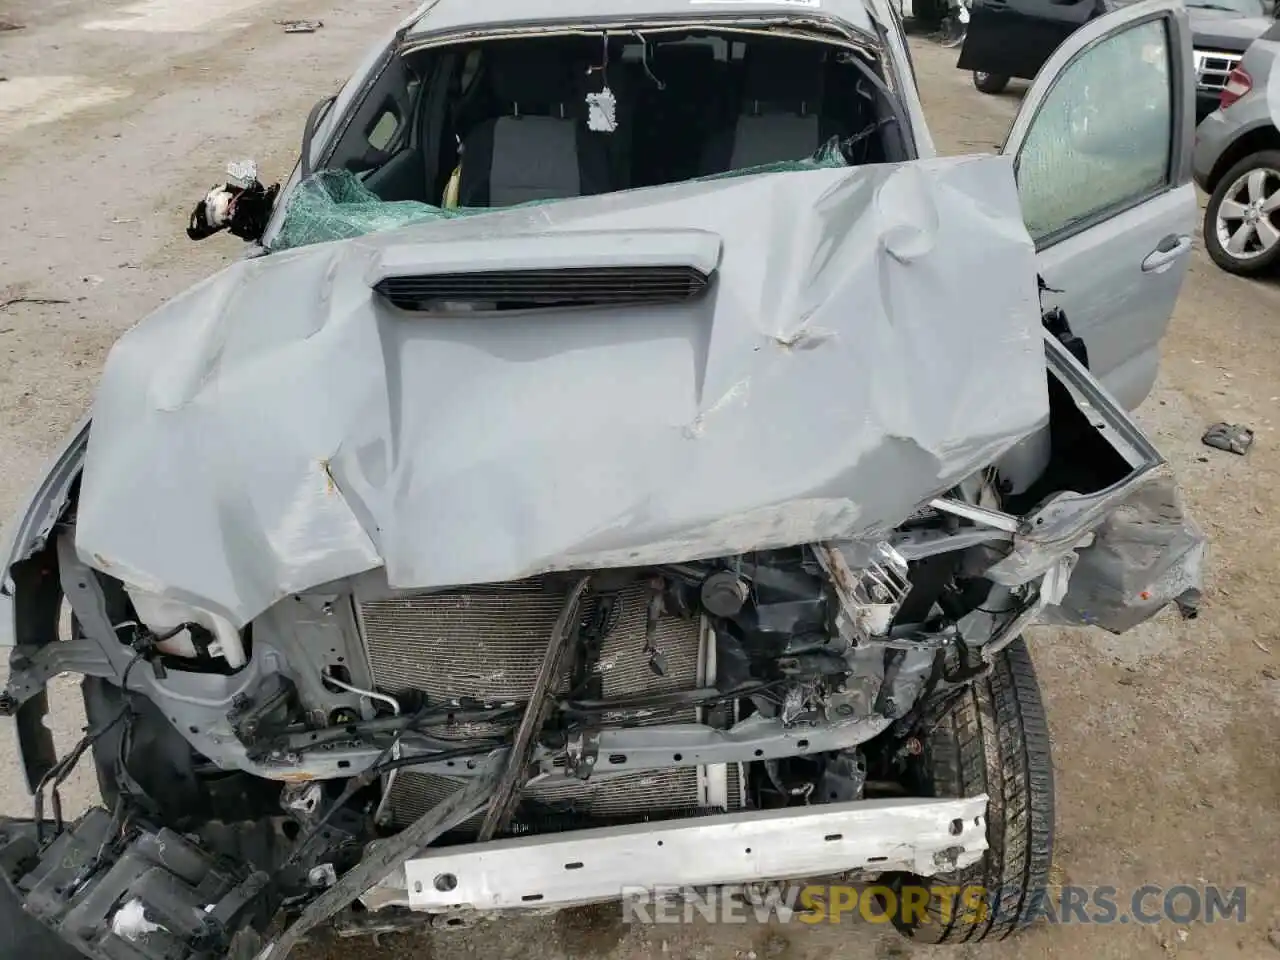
pixel 1181 89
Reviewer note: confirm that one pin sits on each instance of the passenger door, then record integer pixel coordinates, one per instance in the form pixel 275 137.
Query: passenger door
pixel 1102 151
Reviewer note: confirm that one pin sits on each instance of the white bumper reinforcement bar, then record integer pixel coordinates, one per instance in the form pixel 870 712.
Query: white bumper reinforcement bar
pixel 924 837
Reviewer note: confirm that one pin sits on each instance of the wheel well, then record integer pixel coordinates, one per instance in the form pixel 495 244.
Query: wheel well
pixel 1265 137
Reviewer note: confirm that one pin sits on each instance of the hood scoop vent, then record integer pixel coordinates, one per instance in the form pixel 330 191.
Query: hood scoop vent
pixel 545 289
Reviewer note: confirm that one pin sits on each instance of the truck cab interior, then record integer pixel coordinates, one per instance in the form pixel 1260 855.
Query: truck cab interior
pixel 503 122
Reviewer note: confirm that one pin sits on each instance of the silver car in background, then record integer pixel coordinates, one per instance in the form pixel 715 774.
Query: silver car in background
pixel 1237 162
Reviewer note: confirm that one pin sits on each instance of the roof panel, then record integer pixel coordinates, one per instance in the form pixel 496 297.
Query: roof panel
pixel 454 16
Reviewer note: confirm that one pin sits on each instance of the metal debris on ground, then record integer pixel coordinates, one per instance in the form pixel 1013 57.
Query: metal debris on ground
pixel 300 26
pixel 1232 437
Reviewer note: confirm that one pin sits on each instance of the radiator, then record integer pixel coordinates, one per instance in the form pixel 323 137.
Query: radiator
pixel 488 642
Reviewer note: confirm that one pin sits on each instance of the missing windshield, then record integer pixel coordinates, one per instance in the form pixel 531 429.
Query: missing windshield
pixel 455 131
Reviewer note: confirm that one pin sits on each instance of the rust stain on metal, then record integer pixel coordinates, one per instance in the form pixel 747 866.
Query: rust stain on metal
pixel 837 568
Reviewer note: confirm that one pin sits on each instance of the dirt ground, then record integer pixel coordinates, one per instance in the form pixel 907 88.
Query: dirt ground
pixel 115 116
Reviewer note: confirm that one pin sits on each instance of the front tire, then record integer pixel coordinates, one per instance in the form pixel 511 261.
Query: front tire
pixel 1242 217
pixel 990 82
pixel 993 739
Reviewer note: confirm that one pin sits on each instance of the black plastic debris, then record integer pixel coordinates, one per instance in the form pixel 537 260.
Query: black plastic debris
pixel 243 210
pixel 1231 437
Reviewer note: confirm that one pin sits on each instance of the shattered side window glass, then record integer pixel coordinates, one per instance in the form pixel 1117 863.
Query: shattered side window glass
pixel 1103 137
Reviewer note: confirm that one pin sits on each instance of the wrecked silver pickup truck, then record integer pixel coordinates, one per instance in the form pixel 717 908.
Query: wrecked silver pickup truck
pixel 632 463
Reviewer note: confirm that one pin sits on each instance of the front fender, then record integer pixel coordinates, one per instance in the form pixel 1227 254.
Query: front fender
pixel 25 615
pixel 29 529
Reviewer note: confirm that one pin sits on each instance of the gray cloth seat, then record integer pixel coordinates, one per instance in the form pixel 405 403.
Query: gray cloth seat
pixel 540 148
pixel 780 117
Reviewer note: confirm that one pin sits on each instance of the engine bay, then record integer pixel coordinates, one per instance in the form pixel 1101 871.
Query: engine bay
pixel 565 704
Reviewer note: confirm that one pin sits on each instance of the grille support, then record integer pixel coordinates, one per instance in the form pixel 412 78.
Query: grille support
pixel 1213 67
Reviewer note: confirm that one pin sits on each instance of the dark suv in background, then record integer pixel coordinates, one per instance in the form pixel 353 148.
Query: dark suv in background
pixel 1010 39
pixel 1237 162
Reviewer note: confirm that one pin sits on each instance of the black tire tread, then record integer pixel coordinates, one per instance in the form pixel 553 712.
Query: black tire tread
pixel 994 738
pixel 993 84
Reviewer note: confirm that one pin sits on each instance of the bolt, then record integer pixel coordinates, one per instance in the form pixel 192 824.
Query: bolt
pixel 914 746
pixel 240 701
pixel 946 859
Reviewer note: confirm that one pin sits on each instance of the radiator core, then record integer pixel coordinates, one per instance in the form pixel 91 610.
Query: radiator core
pixel 487 642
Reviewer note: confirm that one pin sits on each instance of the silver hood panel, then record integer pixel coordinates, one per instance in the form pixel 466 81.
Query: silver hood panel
pixel 870 337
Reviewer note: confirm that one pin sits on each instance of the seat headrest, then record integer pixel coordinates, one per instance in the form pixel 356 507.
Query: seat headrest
pixel 784 73
pixel 687 56
pixel 536 77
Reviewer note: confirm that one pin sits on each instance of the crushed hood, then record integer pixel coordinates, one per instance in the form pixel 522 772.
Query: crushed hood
pixel 868 337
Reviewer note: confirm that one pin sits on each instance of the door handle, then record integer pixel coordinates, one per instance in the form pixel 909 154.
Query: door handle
pixel 1169 249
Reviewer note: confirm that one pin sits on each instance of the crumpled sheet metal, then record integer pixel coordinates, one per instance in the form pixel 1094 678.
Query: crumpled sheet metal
pixel 1146 554
pixel 872 336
